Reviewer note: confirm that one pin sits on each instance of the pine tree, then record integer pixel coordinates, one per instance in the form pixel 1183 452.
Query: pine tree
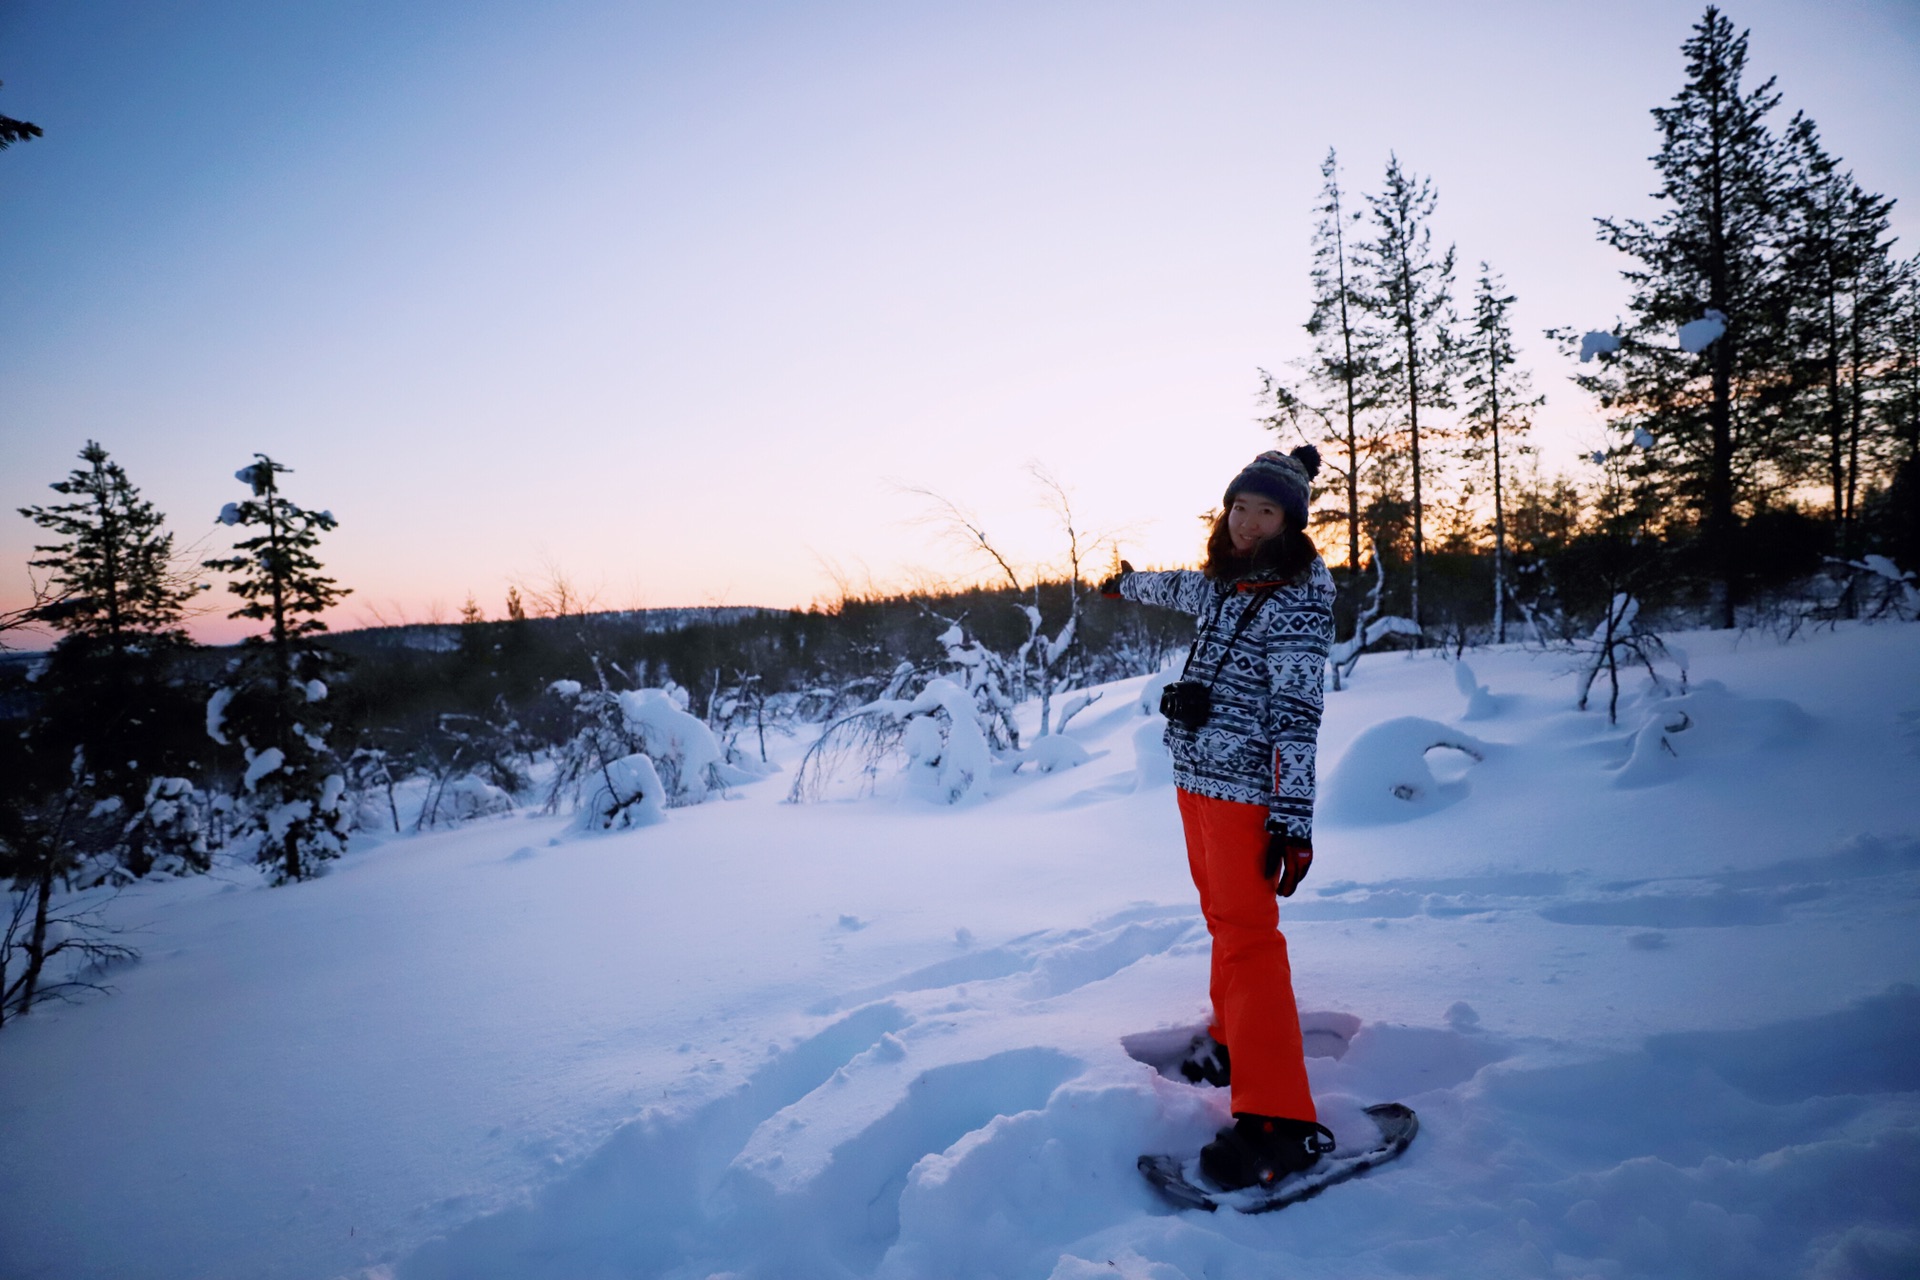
pixel 1345 365
pixel 1708 415
pixel 1844 287
pixel 292 775
pixel 113 692
pixel 114 573
pixel 1497 412
pixel 1411 306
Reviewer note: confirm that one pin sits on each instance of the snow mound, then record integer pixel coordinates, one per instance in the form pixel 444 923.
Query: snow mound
pixel 1386 775
pixel 1056 752
pixel 1677 733
pixel 1481 704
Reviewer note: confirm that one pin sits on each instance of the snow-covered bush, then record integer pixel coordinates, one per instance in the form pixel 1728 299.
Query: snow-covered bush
pixel 690 762
pixel 470 797
pixel 624 793
pixel 948 756
pixel 1622 638
pixel 1872 587
pixel 169 834
pixel 638 751
pixel 1369 629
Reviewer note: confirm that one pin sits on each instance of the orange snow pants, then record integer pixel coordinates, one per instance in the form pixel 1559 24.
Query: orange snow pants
pixel 1254 1013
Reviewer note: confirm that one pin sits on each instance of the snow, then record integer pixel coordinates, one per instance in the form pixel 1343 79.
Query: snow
pixel 217 715
pixel 628 794
pixel 316 690
pixel 1697 335
pixel 230 514
pixel 1598 343
pixel 1656 1007
pixel 262 763
pixel 1057 751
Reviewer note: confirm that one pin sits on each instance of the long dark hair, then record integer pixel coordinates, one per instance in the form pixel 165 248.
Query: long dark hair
pixel 1286 556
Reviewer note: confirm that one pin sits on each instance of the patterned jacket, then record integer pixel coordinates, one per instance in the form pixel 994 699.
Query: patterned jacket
pixel 1258 745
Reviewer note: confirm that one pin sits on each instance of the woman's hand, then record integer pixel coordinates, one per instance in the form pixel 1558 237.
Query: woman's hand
pixel 1111 587
pixel 1290 858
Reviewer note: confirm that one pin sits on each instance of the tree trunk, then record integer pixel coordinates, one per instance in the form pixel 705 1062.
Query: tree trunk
pixel 1413 422
pixel 1719 495
pixel 37 939
pixel 1499 515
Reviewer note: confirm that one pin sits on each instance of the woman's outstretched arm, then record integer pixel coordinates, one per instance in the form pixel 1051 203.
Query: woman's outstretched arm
pixel 1187 590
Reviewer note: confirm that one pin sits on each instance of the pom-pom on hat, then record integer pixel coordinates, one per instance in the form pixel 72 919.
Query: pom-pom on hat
pixel 1284 477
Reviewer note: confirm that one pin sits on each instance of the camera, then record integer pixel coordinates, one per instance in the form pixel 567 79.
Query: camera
pixel 1187 702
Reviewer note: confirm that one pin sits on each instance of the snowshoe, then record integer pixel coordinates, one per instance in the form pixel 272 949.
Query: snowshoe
pixel 1187 1186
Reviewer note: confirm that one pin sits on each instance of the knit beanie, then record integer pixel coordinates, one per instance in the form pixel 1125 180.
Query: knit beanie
pixel 1283 477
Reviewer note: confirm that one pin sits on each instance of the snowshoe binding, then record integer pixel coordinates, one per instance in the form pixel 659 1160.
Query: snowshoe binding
pixel 1258 1151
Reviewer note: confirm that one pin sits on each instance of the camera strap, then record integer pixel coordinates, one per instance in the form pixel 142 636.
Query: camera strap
pixel 1260 598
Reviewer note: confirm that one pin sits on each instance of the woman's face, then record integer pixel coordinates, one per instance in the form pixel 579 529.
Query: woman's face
pixel 1252 519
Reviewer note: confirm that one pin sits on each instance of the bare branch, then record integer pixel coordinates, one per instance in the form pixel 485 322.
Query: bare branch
pixel 965 528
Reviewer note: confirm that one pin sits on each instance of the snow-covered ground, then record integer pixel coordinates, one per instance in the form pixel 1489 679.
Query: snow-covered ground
pixel 1648 987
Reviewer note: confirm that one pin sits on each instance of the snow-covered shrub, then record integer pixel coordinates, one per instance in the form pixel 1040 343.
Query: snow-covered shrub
pixel 987 679
pixel 690 762
pixel 684 762
pixel 624 793
pixel 371 804
pixel 1370 628
pixel 169 833
pixel 470 797
pixel 1872 587
pixel 1622 638
pixel 948 756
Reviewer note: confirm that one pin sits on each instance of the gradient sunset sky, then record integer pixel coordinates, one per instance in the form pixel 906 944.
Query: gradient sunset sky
pixel 682 299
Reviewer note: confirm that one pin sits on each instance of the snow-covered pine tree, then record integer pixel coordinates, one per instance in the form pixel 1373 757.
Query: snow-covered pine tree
pixel 1844 287
pixel 271 709
pixel 1498 412
pixel 1410 309
pixel 1708 409
pixel 113 691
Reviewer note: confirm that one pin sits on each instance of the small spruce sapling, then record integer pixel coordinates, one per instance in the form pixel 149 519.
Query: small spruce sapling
pixel 273 709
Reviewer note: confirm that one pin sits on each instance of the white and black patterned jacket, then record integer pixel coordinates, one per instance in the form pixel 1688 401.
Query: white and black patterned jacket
pixel 1258 745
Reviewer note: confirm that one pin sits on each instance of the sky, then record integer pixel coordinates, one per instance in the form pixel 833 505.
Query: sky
pixel 685 303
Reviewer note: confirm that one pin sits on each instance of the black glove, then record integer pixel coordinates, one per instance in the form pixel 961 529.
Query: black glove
pixel 1111 587
pixel 1289 858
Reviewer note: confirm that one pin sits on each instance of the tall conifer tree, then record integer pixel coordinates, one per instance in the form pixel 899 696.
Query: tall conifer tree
pixel 1411 305
pixel 1843 288
pixel 111 690
pixel 1715 411
pixel 1345 365
pixel 1497 412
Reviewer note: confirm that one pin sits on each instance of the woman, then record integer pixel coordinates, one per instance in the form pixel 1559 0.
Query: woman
pixel 1242 724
